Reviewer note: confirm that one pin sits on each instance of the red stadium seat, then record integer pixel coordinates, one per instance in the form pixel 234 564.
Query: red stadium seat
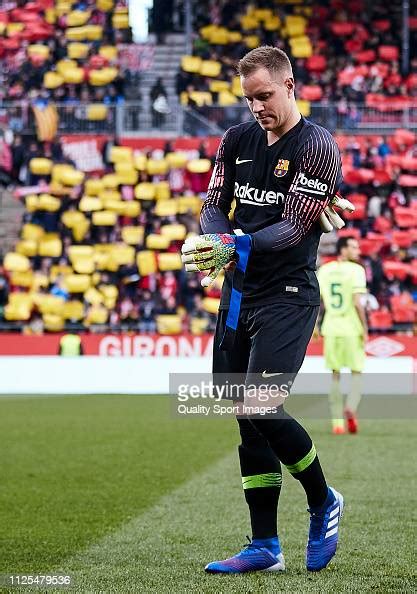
pixel 342 29
pixel 382 25
pixel 349 232
pixel 396 270
pixel 380 320
pixel 365 56
pixel 405 217
pixel 382 177
pixel 403 314
pixel 371 245
pixel 311 93
pixel 360 201
pixel 316 63
pixel 382 224
pixel 401 238
pixel 388 52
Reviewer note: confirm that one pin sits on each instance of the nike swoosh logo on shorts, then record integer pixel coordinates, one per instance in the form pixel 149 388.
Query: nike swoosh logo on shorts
pixel 265 374
pixel 239 161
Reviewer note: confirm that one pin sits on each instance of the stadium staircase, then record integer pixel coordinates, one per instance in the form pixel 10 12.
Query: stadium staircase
pixel 167 61
pixel 11 211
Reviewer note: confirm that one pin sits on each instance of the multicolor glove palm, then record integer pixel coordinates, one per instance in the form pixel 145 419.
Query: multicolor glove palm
pixel 329 217
pixel 209 254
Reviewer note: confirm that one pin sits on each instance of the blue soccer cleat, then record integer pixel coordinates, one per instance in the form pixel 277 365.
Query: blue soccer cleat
pixel 251 558
pixel 324 533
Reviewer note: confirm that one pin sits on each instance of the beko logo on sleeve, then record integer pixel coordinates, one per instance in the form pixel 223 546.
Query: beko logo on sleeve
pixel 310 185
pixel 256 197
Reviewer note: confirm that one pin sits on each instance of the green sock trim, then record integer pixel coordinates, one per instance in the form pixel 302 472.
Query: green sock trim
pixel 270 479
pixel 303 463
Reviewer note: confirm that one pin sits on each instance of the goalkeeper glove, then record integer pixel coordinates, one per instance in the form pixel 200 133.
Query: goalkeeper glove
pixel 329 217
pixel 209 254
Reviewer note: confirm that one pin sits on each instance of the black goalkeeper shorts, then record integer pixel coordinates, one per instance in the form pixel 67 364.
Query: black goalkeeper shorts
pixel 270 340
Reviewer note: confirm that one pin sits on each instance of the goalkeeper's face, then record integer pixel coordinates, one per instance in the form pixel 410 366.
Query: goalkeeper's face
pixel 270 97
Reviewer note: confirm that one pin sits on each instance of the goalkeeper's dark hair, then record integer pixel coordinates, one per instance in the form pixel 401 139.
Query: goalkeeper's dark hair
pixel 343 242
pixel 266 56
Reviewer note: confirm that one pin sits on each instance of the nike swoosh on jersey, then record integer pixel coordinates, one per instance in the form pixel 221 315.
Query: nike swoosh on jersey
pixel 240 161
pixel 265 374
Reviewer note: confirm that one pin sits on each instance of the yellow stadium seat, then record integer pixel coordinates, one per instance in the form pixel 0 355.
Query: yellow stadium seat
pixel 97 112
pixel 38 49
pixel 157 242
pixel 162 190
pixel 184 98
pixel 90 204
pixel 169 261
pixel 31 202
pixel 166 208
pixel 40 281
pixel 145 191
pixel 73 310
pixel 140 162
pixel 72 218
pixel 146 262
pixel 157 167
pixel 219 36
pixel 14 262
pixel 252 41
pixel 17 313
pixel 111 180
pixel 77 50
pixel 117 206
pixel 31 231
pixel 273 24
pixel 211 304
pixel 53 322
pixel 77 18
pixel 77 283
pixel 40 166
pixel 22 279
pixel 235 36
pixel 110 194
pixel 206 31
pixel 57 270
pixel 93 296
pixel 104 218
pixel 72 177
pixel 176 160
pixel 123 254
pixel 77 251
pixel 64 64
pixel 121 154
pixel 96 314
pixel 189 203
pixel 198 326
pixel 168 324
pixel 191 63
pixel 93 187
pixel 109 291
pixel 210 68
pixel 109 52
pixel 226 98
pixel 51 247
pixel 293 19
pixel 262 14
pixel 120 21
pixel 174 232
pixel 304 107
pixel 199 165
pixel 48 203
pixel 133 235
pixel 16 299
pixel 219 85
pixel 248 23
pixel 94 32
pixel 236 87
pixel 27 247
pixel 83 264
pixel 132 208
pixel 202 98
pixel 104 76
pixel 62 8
pixel 301 47
pixel 127 174
pixel 50 16
pixel 73 76
pixel 104 5
pixel 58 170
pixel 49 304
pixel 52 80
pixel 13 28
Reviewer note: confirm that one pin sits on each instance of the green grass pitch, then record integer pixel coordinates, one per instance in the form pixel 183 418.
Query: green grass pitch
pixel 124 497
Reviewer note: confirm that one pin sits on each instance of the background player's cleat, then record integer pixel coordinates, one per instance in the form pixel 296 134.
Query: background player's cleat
pixel 324 533
pixel 351 421
pixel 250 558
pixel 338 430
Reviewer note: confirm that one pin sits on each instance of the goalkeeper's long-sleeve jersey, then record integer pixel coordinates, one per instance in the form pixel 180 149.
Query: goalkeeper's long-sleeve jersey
pixel 280 191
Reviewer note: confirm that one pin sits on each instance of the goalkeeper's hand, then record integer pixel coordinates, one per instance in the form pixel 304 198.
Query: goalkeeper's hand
pixel 329 217
pixel 209 254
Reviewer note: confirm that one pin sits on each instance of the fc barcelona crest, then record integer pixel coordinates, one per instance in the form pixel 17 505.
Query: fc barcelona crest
pixel 281 168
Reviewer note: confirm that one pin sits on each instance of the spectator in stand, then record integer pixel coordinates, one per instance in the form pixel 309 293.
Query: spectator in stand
pixel 147 309
pixel 59 290
pixel 6 162
pixel 159 104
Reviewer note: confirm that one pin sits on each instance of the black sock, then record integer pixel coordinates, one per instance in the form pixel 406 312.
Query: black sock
pixel 293 446
pixel 261 480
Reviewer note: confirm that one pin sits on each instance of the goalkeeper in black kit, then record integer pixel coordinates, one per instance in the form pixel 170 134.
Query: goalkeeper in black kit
pixel 284 172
